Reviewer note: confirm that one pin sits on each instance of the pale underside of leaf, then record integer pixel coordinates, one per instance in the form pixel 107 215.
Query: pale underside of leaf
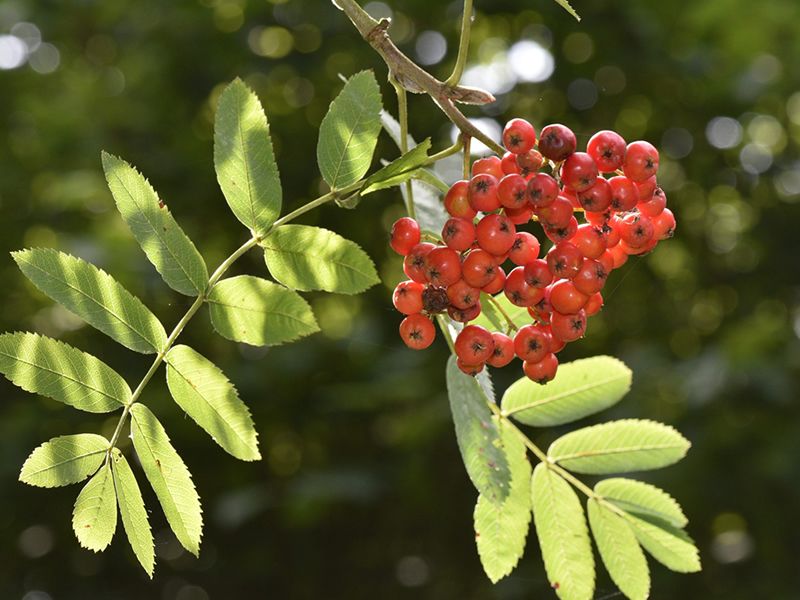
pixel 133 512
pixel 169 477
pixel 258 312
pixel 642 499
pixel 620 551
pixel 311 258
pixel 95 296
pixel 167 247
pixel 64 460
pixel 49 367
pixel 563 535
pixel 399 170
pixel 670 546
pixel 203 391
pixel 94 518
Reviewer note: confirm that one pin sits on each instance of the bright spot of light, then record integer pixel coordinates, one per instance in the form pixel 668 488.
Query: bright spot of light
pixel 13 52
pixel 496 77
pixel 755 159
pixel 582 94
pixel 28 33
pixel 488 126
pixel 379 10
pixel 431 47
pixel 531 61
pixel 732 546
pixel 45 59
pixel 724 132
pixel 788 183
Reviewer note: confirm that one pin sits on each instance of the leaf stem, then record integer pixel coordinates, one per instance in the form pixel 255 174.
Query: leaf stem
pixel 402 117
pixel 463 45
pixel 467 157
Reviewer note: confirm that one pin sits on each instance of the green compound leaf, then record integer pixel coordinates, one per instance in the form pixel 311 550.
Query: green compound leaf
pixel 309 258
pixel 258 312
pixel 580 388
pixel 494 319
pixel 95 296
pixel 670 546
pixel 621 554
pixel 133 512
pixel 45 366
pixel 203 391
pixel 64 460
pixel 399 170
pixel 243 158
pixel 167 247
pixel 94 518
pixel 619 447
pixel 349 132
pixel 501 529
pixel 168 476
pixel 477 435
pixel 563 536
pixel 642 500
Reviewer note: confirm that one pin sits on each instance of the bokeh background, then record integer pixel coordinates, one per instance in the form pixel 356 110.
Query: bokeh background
pixel 362 493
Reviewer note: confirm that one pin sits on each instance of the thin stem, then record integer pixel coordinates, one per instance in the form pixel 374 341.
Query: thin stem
pixel 502 311
pixel 463 45
pixel 467 156
pixel 402 116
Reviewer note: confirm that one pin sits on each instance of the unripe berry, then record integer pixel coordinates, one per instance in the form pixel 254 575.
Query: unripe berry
pixel 542 371
pixel 405 235
pixel 483 193
pixel 607 148
pixel 407 297
pixel 531 343
pixel 474 344
pixel 557 142
pixel 503 352
pixel 414 263
pixel 579 172
pixel 495 234
pixel 641 161
pixel 417 331
pixel 458 234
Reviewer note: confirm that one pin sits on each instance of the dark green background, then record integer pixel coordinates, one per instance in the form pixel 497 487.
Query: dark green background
pixel 362 493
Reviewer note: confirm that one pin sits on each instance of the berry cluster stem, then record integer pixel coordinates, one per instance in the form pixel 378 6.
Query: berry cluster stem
pixel 463 45
pixel 402 116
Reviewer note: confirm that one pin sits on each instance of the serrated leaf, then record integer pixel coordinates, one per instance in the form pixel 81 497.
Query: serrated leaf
pixel 642 499
pixel 244 160
pixel 64 460
pixel 95 296
pixel 563 536
pixel 169 477
pixel 45 366
pixel 258 312
pixel 349 131
pixel 399 170
pixel 501 529
pixel 310 258
pixel 620 551
pixel 167 247
pixel 203 391
pixel 518 314
pixel 670 546
pixel 94 518
pixel 619 447
pixel 580 388
pixel 477 435
pixel 567 7
pixel 133 512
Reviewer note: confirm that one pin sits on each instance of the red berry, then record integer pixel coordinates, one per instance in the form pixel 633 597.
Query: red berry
pixel 579 172
pixel 443 266
pixel 458 234
pixel 594 304
pixel 607 261
pixel 556 345
pixel 556 214
pixel 619 255
pixel 597 198
pixel 529 163
pixel 664 225
pixel 591 278
pixel 519 136
pixel 624 195
pixel 462 295
pixel 655 205
pixel 607 148
pixel 474 344
pixel 531 343
pixel 466 315
pixel 496 285
pixel 483 193
pixel 503 352
pixel 456 201
pixel 407 297
pixel 557 142
pixel 512 191
pixel 518 291
pixel 417 331
pixel 538 274
pixel 636 230
pixel 470 370
pixel 568 328
pixel 414 262
pixel 564 260
pixel 589 240
pixel 542 371
pixel 405 235
pixel 519 216
pixel 525 248
pixel 489 165
pixel 641 161
pixel 542 190
pixel 479 269
pixel 562 234
pixel 646 188
pixel 565 298
pixel 509 164
pixel 496 234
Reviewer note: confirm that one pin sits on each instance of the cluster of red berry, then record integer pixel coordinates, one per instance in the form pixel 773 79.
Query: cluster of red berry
pixel 548 182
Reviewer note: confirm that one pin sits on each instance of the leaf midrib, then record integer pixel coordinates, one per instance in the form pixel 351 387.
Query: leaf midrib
pixel 260 312
pixel 610 451
pixel 64 462
pixel 362 108
pixel 579 390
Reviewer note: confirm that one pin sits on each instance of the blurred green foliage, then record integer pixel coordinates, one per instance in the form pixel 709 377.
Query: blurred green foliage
pixel 362 493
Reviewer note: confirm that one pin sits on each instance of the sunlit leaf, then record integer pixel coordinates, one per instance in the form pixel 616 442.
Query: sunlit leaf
pixel 64 460
pixel 133 512
pixel 94 518
pixel 399 170
pixel 642 499
pixel 670 546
